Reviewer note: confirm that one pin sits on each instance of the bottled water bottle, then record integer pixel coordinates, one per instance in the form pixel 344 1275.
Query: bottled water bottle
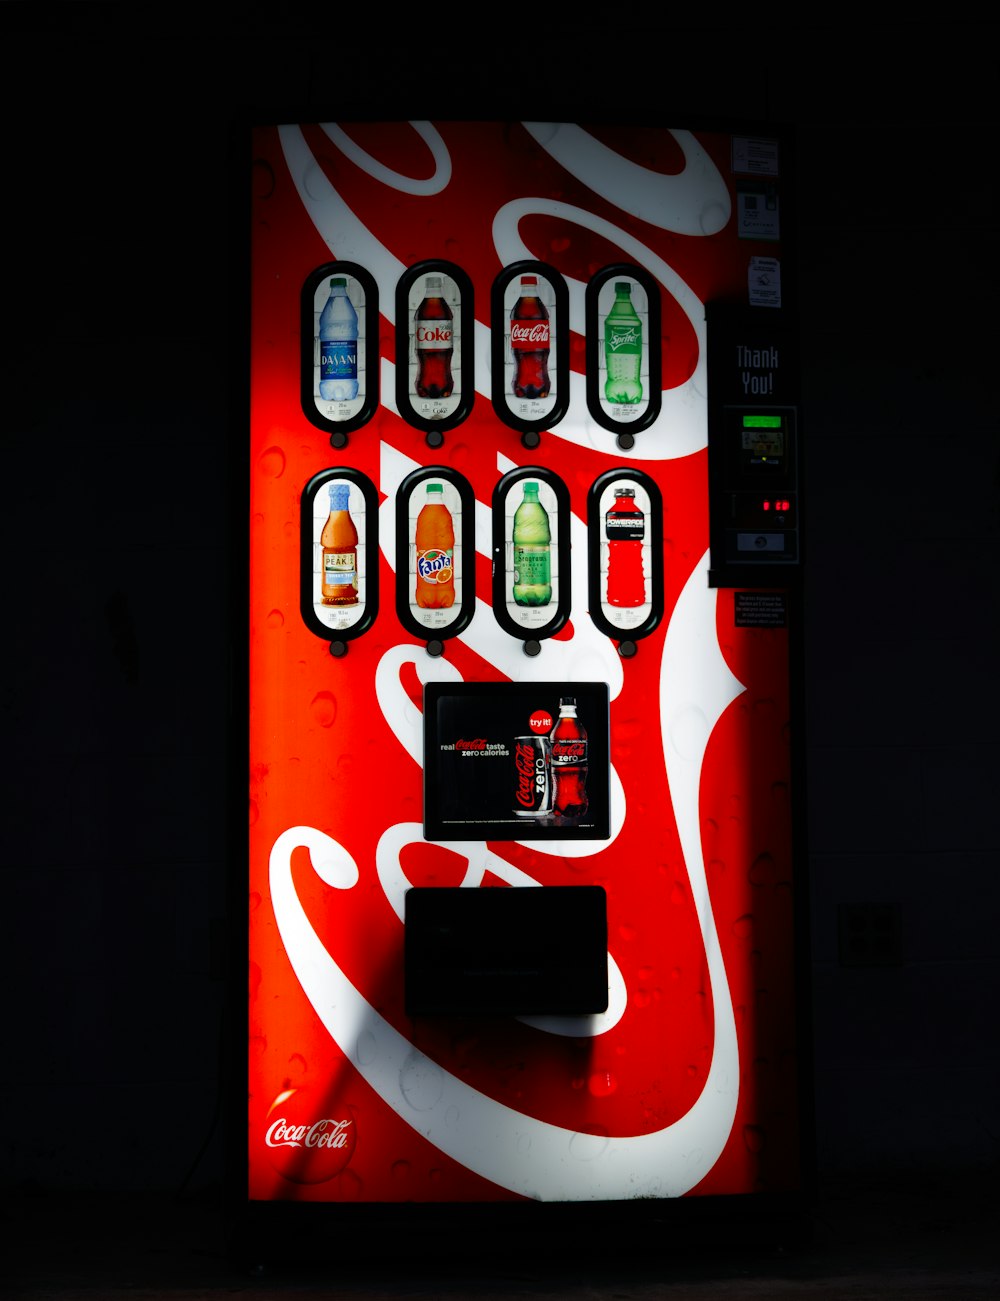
pixel 338 345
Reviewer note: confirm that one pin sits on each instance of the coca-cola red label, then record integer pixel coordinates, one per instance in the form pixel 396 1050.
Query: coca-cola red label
pixel 529 336
pixel 567 752
pixel 531 775
pixel 433 335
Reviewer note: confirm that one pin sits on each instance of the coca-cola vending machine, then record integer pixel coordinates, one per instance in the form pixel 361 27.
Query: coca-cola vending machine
pixel 523 891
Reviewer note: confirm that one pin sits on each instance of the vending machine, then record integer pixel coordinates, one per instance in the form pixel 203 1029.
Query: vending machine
pixel 523 892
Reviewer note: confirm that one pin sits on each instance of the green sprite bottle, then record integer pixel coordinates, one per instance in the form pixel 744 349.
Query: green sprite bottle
pixel 532 553
pixel 623 348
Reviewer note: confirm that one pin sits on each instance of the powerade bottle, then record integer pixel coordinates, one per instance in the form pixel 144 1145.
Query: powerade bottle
pixel 623 348
pixel 625 528
pixel 338 345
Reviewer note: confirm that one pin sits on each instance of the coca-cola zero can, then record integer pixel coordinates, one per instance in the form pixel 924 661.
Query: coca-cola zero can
pixel 532 780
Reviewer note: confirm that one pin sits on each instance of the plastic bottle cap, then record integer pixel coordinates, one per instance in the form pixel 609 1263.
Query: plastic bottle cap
pixel 433 282
pixel 623 286
pixel 529 280
pixel 567 700
pixel 624 492
pixel 338 280
pixel 531 487
pixel 434 487
pixel 339 496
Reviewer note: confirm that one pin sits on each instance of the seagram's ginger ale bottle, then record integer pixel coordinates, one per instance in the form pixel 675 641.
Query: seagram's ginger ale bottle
pixel 532 551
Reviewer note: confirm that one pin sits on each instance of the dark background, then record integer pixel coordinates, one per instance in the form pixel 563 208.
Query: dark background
pixel 123 308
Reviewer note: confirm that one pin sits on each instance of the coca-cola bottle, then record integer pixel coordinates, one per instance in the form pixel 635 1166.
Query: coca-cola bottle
pixel 434 339
pixel 568 762
pixel 529 342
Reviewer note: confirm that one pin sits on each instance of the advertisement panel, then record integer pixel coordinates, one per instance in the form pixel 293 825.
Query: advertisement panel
pixel 486 651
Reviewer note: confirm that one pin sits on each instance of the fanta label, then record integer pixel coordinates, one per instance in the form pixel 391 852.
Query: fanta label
pixel 435 565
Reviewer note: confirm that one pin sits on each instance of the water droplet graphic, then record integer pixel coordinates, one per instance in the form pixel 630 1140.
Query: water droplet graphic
pixel 451 1116
pixel 626 931
pixel 753 1137
pixel 524 1143
pixel 421 1082
pixel 713 217
pixel 254 812
pixel 743 926
pixel 324 708
pixel 400 1170
pixel 763 870
pixel 272 462
pixel 587 1147
pixel 349 1186
pixel 275 619
pixel 602 1084
pixel 262 179
pixel 367 1048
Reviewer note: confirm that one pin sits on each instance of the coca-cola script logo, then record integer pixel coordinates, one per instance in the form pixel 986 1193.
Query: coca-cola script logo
pixel 535 335
pixel 309 1137
pixel 569 751
pixel 321 1133
pixel 529 766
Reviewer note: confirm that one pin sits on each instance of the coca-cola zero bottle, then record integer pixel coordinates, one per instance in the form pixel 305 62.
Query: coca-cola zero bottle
pixel 435 343
pixel 529 342
pixel 568 763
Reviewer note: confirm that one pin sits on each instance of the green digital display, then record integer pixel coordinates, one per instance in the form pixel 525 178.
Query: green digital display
pixel 762 422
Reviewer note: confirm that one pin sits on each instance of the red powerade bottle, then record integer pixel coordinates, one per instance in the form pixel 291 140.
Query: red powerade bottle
pixel 625 528
pixel 529 342
pixel 568 762
pixel 434 337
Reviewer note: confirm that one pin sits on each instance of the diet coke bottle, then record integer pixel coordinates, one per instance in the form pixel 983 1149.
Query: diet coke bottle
pixel 529 341
pixel 568 762
pixel 434 338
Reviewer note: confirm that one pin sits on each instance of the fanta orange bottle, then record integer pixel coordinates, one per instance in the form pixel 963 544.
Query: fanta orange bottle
pixel 435 543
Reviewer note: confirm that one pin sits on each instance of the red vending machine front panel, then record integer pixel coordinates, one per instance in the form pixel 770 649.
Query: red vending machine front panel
pixel 485 652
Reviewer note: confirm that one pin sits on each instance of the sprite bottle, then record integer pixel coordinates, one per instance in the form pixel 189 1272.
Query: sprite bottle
pixel 623 348
pixel 532 551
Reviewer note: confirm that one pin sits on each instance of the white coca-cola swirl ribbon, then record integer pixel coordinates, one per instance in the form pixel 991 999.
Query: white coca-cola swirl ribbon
pixel 528 1156
pixel 679 430
pixel 478 861
pixel 692 202
pixel 431 137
